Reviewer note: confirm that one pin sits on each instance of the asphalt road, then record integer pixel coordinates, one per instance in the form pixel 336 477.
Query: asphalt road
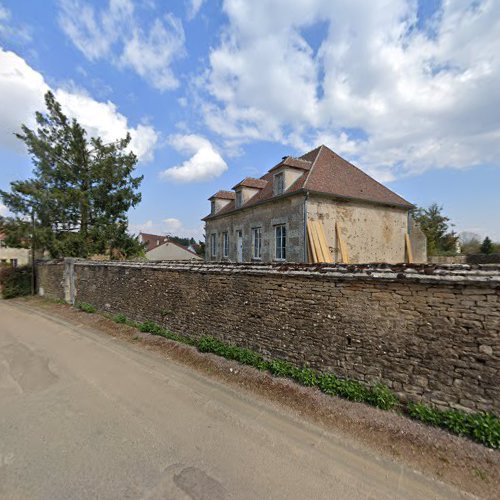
pixel 83 415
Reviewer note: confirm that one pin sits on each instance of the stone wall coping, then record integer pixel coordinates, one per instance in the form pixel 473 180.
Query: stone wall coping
pixel 456 274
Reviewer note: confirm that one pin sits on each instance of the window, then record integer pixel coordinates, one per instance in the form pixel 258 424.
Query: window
pixel 257 243
pixel 279 183
pixel 212 207
pixel 213 245
pixel 225 244
pixel 13 262
pixel 280 232
pixel 239 199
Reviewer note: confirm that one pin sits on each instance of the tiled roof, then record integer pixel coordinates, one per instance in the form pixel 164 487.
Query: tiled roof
pixel 252 183
pixel 328 173
pixel 334 175
pixel 224 195
pixel 152 240
pixel 290 161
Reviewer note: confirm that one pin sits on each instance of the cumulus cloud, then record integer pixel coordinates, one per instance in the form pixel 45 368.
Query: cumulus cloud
pixel 115 33
pixel 3 209
pixel 204 164
pixel 21 94
pixel 394 92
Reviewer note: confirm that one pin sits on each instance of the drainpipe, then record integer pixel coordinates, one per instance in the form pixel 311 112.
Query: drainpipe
pixel 305 226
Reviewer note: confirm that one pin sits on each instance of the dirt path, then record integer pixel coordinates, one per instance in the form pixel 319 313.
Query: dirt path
pixel 90 415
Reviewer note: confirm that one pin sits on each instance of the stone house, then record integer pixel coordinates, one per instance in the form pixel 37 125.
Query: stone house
pixel 13 256
pixel 267 219
pixel 163 248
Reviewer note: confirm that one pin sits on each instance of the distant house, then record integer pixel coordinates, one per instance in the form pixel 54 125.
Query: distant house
pixel 13 256
pixel 315 208
pixel 163 248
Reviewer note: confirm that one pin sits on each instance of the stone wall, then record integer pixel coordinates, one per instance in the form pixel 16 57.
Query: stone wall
pixel 481 258
pixel 430 333
pixel 448 259
pixel 50 279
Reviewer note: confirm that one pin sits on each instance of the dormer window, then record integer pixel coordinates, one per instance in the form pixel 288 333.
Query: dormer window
pixel 279 183
pixel 239 199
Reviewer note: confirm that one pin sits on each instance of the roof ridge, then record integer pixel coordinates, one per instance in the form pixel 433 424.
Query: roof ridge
pixel 298 158
pixel 343 163
pixel 320 148
pixel 372 178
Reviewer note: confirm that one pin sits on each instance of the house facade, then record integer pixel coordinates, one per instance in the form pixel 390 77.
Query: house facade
pixel 269 219
pixel 163 248
pixel 13 256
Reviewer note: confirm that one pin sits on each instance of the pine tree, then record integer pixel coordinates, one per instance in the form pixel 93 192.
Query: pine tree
pixel 80 191
pixel 486 246
pixel 435 225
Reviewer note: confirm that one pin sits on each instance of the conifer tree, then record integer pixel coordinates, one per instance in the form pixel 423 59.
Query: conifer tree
pixel 486 246
pixel 80 191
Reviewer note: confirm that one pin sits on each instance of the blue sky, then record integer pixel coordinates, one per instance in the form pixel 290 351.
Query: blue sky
pixel 214 91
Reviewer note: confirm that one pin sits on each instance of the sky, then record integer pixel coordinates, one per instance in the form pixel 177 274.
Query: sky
pixel 212 91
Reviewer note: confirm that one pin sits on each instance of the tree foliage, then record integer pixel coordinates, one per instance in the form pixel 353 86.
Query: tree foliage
pixel 486 246
pixel 441 239
pixel 80 191
pixel 17 232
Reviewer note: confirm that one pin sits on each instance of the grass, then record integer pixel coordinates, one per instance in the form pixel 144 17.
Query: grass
pixel 88 308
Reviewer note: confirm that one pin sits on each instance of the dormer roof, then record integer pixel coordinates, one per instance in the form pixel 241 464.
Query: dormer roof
pixel 223 195
pixel 323 172
pixel 251 182
pixel 290 161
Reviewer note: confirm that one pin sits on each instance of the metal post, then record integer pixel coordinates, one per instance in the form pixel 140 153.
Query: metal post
pixel 33 282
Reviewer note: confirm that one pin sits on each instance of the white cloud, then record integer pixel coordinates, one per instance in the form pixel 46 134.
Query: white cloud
pixel 151 55
pixel 3 209
pixel 12 32
pixel 21 94
pixel 115 33
pixel 391 94
pixel 172 225
pixel 204 164
pixel 169 226
pixel 194 7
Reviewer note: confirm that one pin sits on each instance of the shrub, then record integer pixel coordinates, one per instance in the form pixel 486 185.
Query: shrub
pixel 424 413
pixel 240 354
pixel 382 397
pixel 482 427
pixel 353 390
pixel 15 281
pixel 306 376
pixel 280 368
pixel 152 327
pixel 88 308
pixel 120 318
pixel 485 428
